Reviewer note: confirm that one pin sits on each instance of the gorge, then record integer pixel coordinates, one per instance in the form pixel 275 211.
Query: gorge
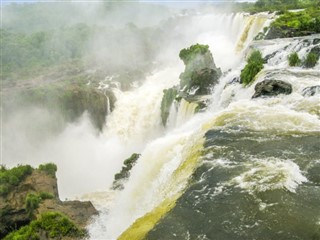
pixel 215 158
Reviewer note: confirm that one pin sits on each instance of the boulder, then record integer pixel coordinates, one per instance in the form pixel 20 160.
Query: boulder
pixel 311 91
pixel 270 88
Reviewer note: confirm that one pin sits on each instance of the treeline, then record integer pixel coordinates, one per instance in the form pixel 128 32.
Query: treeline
pixel 276 5
pixel 27 54
pixel 35 37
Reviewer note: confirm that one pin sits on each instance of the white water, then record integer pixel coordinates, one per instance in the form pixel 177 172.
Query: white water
pixel 231 105
pixel 150 182
pixel 135 126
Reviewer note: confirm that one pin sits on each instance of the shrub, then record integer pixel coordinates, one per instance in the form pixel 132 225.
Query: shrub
pixel 49 168
pixel 54 224
pixel 294 59
pixel 187 54
pixel 32 203
pixel 253 67
pixel 311 60
pixel 45 195
pixel 9 178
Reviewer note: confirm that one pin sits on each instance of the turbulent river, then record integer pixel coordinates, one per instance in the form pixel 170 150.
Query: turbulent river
pixel 243 169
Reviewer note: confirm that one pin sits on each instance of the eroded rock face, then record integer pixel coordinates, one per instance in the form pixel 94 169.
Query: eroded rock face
pixel 269 88
pixel 311 91
pixel 14 213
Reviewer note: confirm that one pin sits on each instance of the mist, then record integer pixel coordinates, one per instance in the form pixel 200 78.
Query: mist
pixel 84 45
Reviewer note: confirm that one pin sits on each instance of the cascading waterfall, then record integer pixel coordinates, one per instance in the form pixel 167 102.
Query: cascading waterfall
pixel 136 114
pixel 164 169
pixel 224 149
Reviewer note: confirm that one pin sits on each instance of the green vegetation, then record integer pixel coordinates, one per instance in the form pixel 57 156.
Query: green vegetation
pixel 125 171
pixel 311 60
pixel 49 168
pixel 294 24
pixel 189 54
pixel 9 178
pixel 45 195
pixel 275 5
pixel 30 54
pixel 33 200
pixel 32 203
pixel 200 71
pixel 169 95
pixel 253 67
pixel 55 225
pixel 294 59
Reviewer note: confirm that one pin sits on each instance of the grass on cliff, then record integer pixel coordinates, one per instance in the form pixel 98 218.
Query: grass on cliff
pixel 10 178
pixel 49 168
pixel 53 224
pixel 253 67
pixel 33 200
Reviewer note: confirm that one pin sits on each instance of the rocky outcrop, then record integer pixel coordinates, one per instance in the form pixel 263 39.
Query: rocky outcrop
pixel 69 100
pixel 311 91
pixel 200 73
pixel 169 96
pixel 34 195
pixel 269 88
pixel 124 174
pixel 197 80
pixel 286 32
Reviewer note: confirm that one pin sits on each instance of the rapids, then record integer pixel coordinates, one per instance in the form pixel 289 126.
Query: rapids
pixel 243 169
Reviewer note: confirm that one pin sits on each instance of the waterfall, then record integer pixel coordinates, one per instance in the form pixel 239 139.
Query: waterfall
pixel 166 164
pixel 136 117
pixel 181 113
pixel 159 184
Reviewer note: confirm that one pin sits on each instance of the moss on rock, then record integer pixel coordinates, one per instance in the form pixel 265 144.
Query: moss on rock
pixel 124 174
pixel 197 58
pixel 169 95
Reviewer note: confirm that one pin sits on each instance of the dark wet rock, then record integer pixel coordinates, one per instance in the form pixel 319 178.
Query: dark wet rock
pixel 286 32
pixel 270 88
pixel 316 41
pixel 311 91
pixel 316 50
